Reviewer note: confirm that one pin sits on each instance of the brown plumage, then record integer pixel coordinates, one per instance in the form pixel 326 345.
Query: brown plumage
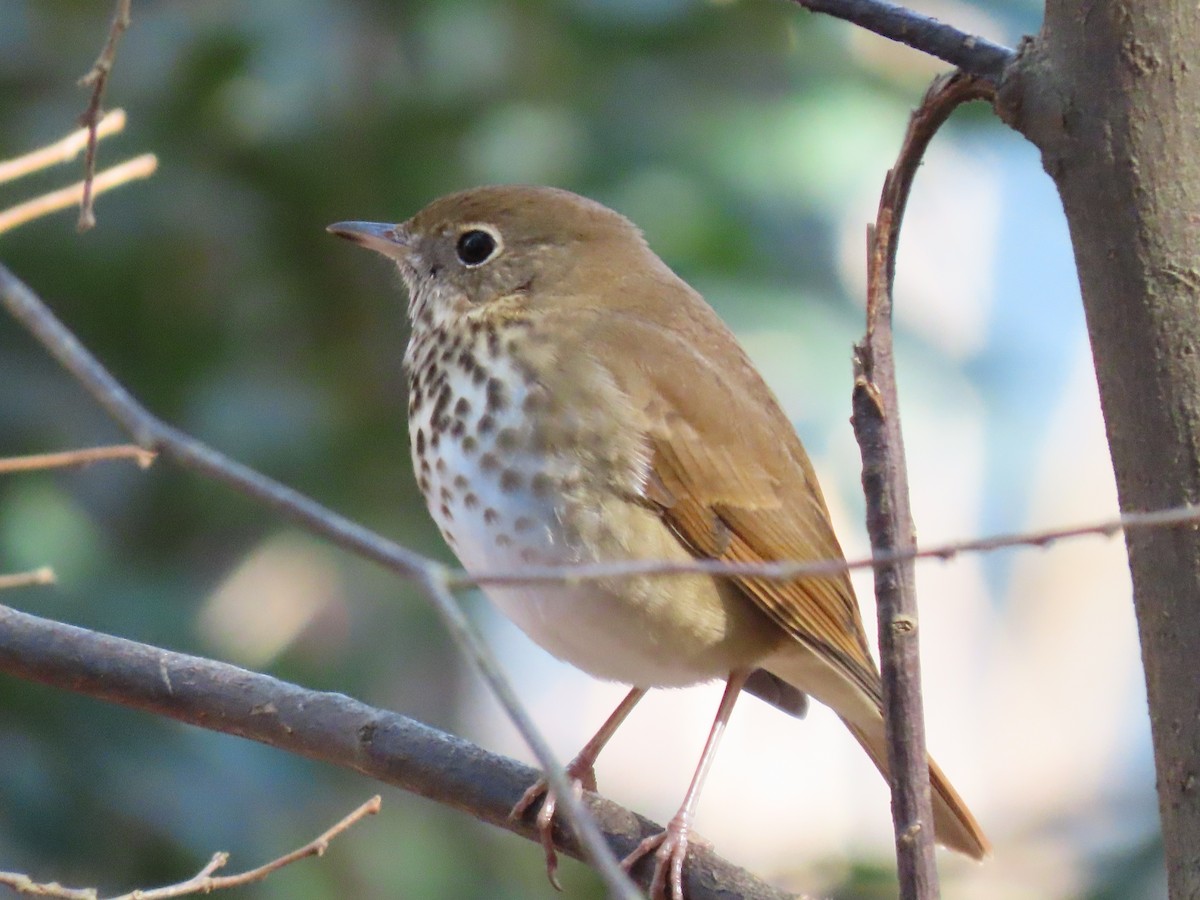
pixel 652 437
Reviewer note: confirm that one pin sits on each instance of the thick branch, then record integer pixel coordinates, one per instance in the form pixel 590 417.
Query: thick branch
pixel 1108 92
pixel 971 53
pixel 329 727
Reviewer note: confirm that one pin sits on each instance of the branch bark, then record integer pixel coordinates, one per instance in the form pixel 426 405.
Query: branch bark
pixel 332 728
pixel 97 80
pixel 1108 94
pixel 206 881
pixel 889 514
pixel 971 53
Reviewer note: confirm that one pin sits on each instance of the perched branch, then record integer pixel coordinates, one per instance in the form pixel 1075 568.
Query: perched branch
pixel 139 167
pixel 204 881
pixel 971 53
pixel 328 727
pixel 61 151
pixel 33 578
pixel 889 516
pixel 97 80
pixel 152 434
pixel 70 458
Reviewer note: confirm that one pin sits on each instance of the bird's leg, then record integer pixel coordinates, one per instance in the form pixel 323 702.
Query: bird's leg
pixel 582 774
pixel 671 845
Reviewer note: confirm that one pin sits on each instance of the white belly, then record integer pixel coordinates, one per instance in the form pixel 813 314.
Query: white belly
pixel 503 504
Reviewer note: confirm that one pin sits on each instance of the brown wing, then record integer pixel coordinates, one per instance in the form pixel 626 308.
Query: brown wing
pixel 730 477
pixel 728 473
pixel 821 612
pixel 748 498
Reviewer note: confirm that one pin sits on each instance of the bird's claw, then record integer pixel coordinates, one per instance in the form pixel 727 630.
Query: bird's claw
pixel 582 778
pixel 670 849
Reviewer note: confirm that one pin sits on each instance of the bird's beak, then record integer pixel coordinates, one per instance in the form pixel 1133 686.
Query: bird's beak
pixel 390 240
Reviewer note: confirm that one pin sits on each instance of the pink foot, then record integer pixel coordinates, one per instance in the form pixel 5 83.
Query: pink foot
pixel 583 777
pixel 670 850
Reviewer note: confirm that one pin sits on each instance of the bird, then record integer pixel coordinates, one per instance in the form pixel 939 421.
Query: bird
pixel 573 401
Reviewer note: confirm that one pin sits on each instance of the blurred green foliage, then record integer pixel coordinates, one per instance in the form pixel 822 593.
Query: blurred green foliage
pixel 731 132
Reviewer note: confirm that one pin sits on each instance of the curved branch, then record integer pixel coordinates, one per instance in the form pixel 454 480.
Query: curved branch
pixel 876 423
pixel 971 53
pixel 329 727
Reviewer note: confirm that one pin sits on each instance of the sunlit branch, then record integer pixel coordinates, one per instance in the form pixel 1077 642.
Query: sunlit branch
pixel 71 458
pixel 61 151
pixel 139 167
pixel 32 578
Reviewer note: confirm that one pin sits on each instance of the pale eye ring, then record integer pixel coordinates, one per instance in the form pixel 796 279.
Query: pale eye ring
pixel 478 244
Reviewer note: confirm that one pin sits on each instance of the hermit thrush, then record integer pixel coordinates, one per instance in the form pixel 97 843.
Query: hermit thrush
pixel 571 400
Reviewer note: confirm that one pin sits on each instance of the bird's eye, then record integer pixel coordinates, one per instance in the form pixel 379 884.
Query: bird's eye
pixel 476 246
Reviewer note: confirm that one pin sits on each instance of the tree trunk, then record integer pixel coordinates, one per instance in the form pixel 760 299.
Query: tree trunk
pixel 1110 93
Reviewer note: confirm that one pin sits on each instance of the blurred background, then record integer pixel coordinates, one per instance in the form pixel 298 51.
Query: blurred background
pixel 750 141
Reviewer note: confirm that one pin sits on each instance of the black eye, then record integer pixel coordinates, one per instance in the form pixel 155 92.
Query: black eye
pixel 475 247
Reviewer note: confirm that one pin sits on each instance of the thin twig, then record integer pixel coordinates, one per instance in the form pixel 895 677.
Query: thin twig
pixel 154 435
pixel 139 167
pixel 328 727
pixel 61 151
pixel 971 53
pixel 889 515
pixel 434 584
pixel 204 881
pixel 23 884
pixel 32 578
pixel 97 80
pixel 69 458
pixel 1175 517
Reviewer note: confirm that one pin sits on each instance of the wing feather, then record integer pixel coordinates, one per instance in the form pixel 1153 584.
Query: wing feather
pixel 730 477
pixel 728 473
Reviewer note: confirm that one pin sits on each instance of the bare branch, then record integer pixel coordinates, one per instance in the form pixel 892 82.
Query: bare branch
pixel 154 435
pixel 889 515
pixel 328 727
pixel 1175 517
pixel 139 167
pixel 204 881
pixel 97 79
pixel 33 578
pixel 971 53
pixel 23 884
pixel 315 847
pixel 70 458
pixel 61 151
